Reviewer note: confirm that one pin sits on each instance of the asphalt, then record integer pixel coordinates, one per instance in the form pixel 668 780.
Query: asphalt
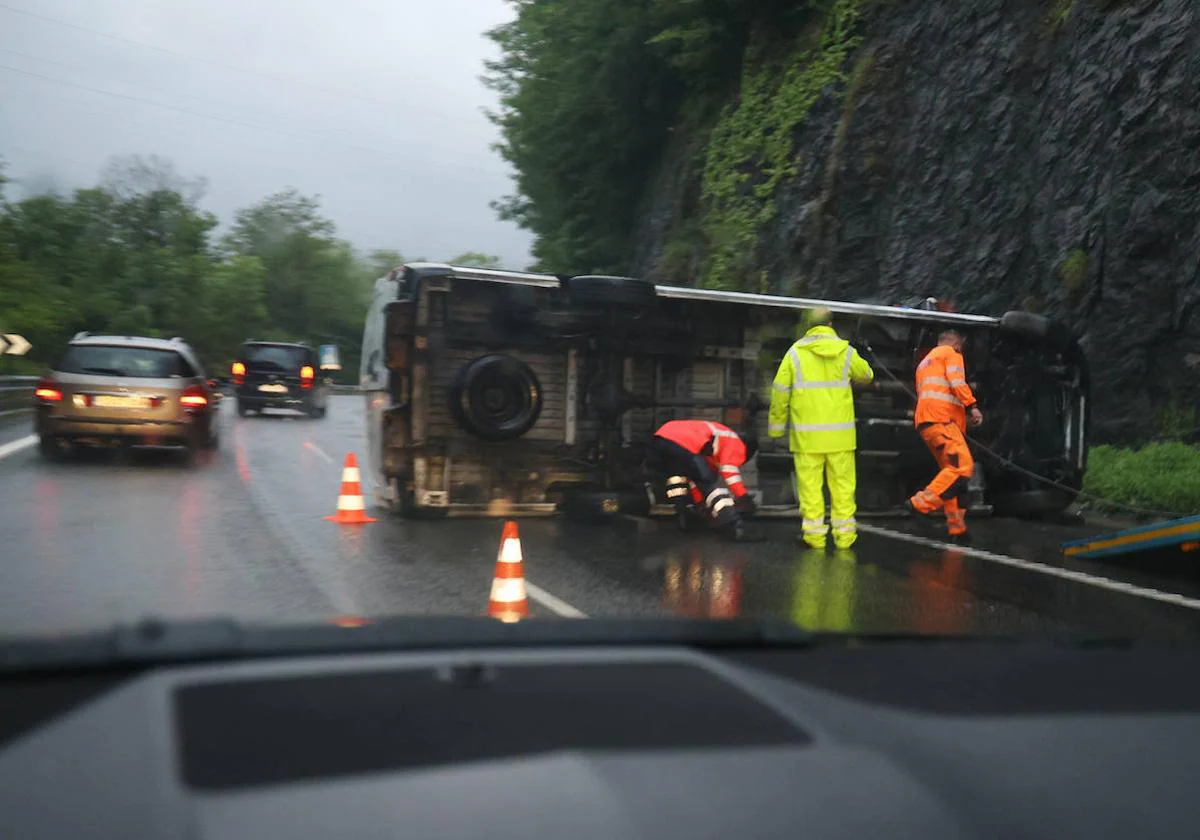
pixel 110 537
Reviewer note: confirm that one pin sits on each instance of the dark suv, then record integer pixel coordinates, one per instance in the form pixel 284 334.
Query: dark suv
pixel 276 374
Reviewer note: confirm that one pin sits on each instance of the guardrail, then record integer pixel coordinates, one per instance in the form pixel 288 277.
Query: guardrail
pixel 16 393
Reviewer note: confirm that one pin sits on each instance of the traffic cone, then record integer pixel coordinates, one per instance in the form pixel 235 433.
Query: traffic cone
pixel 508 601
pixel 351 510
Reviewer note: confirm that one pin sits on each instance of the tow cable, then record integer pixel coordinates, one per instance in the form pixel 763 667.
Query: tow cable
pixel 1008 462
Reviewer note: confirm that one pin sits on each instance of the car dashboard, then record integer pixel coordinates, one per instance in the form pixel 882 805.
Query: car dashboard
pixel 902 739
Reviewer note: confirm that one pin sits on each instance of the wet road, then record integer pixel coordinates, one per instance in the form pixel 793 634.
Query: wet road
pixel 101 538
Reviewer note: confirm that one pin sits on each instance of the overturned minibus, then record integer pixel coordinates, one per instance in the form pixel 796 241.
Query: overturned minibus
pixel 497 393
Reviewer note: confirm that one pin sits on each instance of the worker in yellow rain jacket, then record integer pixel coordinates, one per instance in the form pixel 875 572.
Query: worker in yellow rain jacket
pixel 812 395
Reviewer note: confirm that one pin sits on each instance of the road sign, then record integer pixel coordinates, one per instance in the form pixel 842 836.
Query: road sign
pixel 329 357
pixel 13 345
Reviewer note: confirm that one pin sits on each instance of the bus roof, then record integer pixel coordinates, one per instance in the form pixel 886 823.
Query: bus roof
pixel 715 295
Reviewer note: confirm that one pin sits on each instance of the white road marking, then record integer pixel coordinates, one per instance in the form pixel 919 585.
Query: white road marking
pixel 12 411
pixel 17 445
pixel 1042 568
pixel 552 602
pixel 308 444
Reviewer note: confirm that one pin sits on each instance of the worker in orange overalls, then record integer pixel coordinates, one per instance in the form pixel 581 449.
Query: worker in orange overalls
pixel 702 461
pixel 944 403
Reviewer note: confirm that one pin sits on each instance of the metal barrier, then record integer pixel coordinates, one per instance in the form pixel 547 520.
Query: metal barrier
pixel 16 393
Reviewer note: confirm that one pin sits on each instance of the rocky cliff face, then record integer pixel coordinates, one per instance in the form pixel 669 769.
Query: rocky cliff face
pixel 1007 154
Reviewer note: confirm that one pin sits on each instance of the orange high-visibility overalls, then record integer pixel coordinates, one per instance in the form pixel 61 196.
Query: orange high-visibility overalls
pixel 943 398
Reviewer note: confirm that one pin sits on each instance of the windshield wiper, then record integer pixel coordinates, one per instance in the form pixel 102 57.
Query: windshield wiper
pixel 104 370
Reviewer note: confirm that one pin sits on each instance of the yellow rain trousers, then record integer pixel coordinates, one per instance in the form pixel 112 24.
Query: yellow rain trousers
pixel 813 470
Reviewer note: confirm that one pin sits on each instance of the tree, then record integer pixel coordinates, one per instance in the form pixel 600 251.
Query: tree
pixel 474 259
pixel 136 256
pixel 381 261
pixel 590 93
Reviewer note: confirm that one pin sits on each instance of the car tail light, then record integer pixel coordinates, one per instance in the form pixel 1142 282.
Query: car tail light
pixel 193 397
pixel 306 376
pixel 47 390
pixel 239 373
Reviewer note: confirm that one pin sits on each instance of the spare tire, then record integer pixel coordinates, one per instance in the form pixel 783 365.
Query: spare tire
pixel 1026 324
pixel 592 289
pixel 496 397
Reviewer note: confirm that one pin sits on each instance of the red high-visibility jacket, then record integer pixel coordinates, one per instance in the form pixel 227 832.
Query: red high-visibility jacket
pixel 726 454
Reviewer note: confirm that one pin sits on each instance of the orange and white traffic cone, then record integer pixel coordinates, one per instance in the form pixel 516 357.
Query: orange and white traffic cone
pixel 351 509
pixel 508 601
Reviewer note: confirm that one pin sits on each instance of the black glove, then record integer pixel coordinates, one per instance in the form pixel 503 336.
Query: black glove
pixel 739 533
pixel 691 519
pixel 746 506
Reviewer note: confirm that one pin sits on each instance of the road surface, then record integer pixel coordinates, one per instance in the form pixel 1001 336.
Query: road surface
pixel 103 538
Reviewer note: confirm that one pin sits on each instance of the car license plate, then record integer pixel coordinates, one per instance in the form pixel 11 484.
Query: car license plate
pixel 273 389
pixel 114 401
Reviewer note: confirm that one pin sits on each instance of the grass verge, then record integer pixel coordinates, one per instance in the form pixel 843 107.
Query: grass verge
pixel 1163 476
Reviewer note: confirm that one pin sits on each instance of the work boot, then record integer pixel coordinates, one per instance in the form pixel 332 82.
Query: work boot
pixel 961 539
pixel 815 543
pixel 691 519
pixel 913 510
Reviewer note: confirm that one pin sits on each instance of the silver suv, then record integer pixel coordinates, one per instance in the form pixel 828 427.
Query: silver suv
pixel 125 389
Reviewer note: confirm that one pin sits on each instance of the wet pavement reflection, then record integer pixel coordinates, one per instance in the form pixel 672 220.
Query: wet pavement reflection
pixel 105 537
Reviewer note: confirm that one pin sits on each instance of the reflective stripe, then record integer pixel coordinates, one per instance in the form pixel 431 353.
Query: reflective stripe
pixel 937 395
pixel 935 380
pixel 717 435
pixel 849 521
pixel 721 505
pixel 781 388
pixel 957 383
pixel 798 372
pixel 847 527
pixel 677 492
pixel 716 494
pixel 800 383
pixel 954 369
pixel 828 384
pixel 777 427
pixel 677 479
pixel 729 468
pixel 508 590
pixel 814 526
pixel 826 427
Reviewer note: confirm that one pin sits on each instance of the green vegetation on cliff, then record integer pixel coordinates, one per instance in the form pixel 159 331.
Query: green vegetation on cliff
pixel 751 151
pixel 592 92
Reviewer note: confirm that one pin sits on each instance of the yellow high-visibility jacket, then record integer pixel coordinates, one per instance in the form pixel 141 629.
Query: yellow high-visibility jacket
pixel 812 396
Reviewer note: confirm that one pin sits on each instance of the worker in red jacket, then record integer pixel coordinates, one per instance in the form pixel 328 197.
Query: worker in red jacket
pixel 703 461
pixel 945 405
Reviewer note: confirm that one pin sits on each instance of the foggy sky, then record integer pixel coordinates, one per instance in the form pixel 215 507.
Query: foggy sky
pixel 373 104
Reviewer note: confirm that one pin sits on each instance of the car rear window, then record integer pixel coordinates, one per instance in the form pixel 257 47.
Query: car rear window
pixel 274 356
pixel 114 360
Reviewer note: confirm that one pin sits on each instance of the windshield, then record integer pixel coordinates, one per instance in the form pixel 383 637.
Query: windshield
pixel 111 360
pixel 849 315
